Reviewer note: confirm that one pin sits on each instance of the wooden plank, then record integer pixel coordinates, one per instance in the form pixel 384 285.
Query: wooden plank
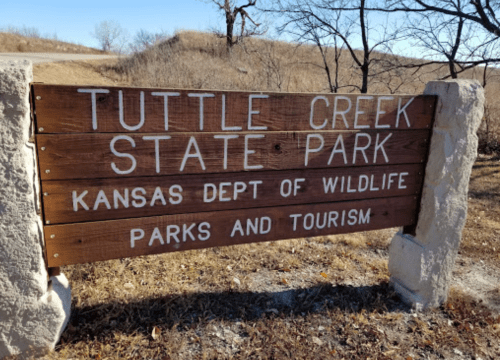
pixel 86 156
pixel 89 242
pixel 69 109
pixel 102 199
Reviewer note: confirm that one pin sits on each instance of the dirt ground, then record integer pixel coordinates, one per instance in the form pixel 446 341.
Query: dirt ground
pixel 311 298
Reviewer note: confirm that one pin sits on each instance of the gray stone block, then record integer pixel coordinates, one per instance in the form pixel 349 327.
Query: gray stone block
pixel 421 265
pixel 32 315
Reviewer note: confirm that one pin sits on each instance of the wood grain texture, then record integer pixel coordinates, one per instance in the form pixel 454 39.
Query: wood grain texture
pixel 62 109
pixel 152 196
pixel 138 166
pixel 87 156
pixel 89 242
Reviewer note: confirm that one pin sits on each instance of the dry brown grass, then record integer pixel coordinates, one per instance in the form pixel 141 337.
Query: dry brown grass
pixel 76 73
pixel 311 298
pixel 18 43
pixel 482 231
pixel 200 60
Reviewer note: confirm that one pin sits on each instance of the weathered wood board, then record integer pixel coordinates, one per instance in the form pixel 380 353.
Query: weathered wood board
pixel 134 171
pixel 88 156
pixel 105 199
pixel 103 240
pixel 74 109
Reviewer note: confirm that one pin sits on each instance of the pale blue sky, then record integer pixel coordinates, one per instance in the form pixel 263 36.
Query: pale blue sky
pixel 75 20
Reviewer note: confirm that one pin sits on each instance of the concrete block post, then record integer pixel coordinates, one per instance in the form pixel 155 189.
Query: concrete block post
pixel 33 308
pixel 421 265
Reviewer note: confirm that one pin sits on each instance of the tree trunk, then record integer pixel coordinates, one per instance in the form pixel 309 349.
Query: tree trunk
pixel 453 71
pixel 327 68
pixel 229 29
pixel 366 49
pixel 364 70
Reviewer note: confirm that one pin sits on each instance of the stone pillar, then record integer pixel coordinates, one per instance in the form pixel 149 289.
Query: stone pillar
pixel 421 264
pixel 33 308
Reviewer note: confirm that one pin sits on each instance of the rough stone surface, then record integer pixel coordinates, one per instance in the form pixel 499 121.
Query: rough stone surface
pixel 421 265
pixel 33 311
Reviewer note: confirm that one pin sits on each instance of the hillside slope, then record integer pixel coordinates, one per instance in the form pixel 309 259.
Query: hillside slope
pixel 200 60
pixel 17 43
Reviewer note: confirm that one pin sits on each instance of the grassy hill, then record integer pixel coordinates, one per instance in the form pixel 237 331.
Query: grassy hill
pixel 201 60
pixel 18 43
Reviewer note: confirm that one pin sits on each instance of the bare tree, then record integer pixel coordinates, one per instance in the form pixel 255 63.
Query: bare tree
pixel 275 67
pixel 485 13
pixel 232 12
pixel 305 30
pixel 307 18
pixel 109 34
pixel 27 31
pixel 438 36
pixel 438 40
pixel 481 18
pixel 144 39
pixel 324 47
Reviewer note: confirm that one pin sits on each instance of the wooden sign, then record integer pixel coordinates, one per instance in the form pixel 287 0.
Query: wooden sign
pixel 130 171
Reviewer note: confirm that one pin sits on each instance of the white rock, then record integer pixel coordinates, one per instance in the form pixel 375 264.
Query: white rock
pixel 421 265
pixel 32 314
pixel 129 286
pixel 317 341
